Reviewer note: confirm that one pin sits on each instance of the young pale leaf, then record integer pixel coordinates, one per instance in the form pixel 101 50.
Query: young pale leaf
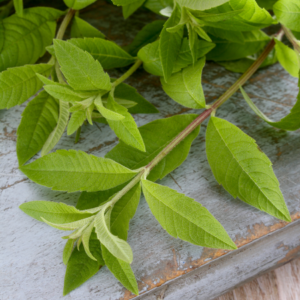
pixel 80 267
pixel 169 43
pixel 107 113
pixel 127 92
pixel 18 4
pixel 73 171
pixel 82 71
pixel 148 34
pixel 291 122
pixel 288 13
pixel 185 86
pixel 38 121
pixel 58 213
pixel 109 54
pixel 117 247
pixel 86 240
pixel 288 58
pixel 125 129
pixel 33 31
pixel 129 9
pixel 182 217
pixel 18 84
pixel 68 250
pixel 76 120
pixel 58 131
pixel 201 4
pixel 121 270
pixel 226 50
pixel 157 135
pixel 82 29
pixel 78 4
pixel 63 92
pixel 242 169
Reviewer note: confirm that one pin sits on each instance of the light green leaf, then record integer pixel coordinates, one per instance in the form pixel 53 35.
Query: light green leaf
pixel 38 121
pixel 121 270
pixel 242 169
pixel 129 9
pixel 63 92
pixel 86 240
pixel 76 120
pixel 73 171
pixel 58 213
pixel 78 4
pixel 80 68
pixel 82 29
pixel 80 267
pixel 288 58
pixel 127 92
pixel 252 13
pixel 107 113
pixel 18 4
pixel 58 131
pixel 227 50
pixel 46 80
pixel 202 34
pixel 193 38
pixel 126 129
pixel 288 13
pixel 109 54
pixel 148 34
pixel 68 250
pixel 185 86
pixel 233 36
pixel 157 135
pixel 33 31
pixel 18 84
pixel 169 43
pixel 182 217
pixel 117 247
pixel 291 122
pixel 201 4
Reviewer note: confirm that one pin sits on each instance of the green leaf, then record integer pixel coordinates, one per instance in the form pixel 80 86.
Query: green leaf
pixel 126 129
pixel 169 43
pixel 33 31
pixel 80 267
pixel 78 4
pixel 127 92
pixel 82 29
pixel 185 86
pixel 233 36
pixel 18 84
pixel 18 4
pixel 58 213
pixel 38 121
pixel 58 131
pixel 157 5
pixel 73 171
pixel 109 54
pixel 63 92
pixel 129 9
pixel 252 13
pixel 227 50
pixel 201 4
pixel 116 246
pixel 152 63
pixel 121 270
pixel 107 113
pixel 76 120
pixel 291 122
pixel 157 135
pixel 86 240
pixel 182 217
pixel 288 13
pixel 46 80
pixel 123 2
pixel 288 58
pixel 148 34
pixel 266 4
pixel 242 169
pixel 80 68
pixel 68 250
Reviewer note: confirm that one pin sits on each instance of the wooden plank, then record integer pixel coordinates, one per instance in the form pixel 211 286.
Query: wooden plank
pixel 31 255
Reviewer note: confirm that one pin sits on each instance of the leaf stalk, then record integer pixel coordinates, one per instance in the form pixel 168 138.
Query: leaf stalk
pixel 66 21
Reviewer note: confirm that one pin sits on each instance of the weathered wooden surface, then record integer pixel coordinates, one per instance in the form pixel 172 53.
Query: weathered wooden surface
pixel 31 252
